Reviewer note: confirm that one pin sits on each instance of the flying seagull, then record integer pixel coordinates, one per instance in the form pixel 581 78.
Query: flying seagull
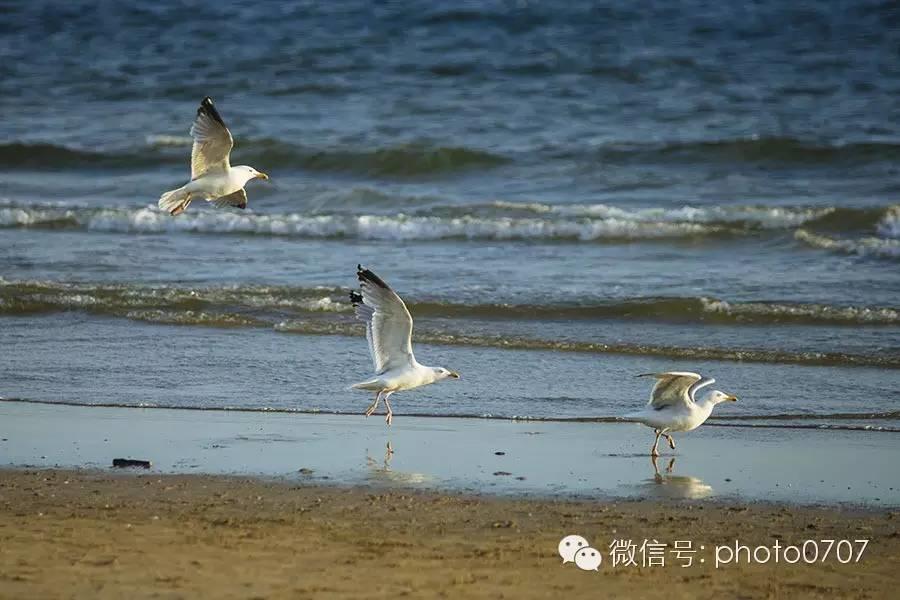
pixel 212 176
pixel 389 332
pixel 673 405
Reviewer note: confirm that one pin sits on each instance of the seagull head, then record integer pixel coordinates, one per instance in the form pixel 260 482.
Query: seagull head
pixel 717 397
pixel 251 173
pixel 442 373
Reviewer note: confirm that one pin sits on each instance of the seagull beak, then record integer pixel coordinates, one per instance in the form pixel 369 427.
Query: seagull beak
pixel 262 176
pixel 454 374
pixel 731 398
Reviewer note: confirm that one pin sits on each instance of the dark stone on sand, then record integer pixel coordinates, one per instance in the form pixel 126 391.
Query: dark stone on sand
pixel 500 453
pixel 502 473
pixel 124 463
pixel 305 471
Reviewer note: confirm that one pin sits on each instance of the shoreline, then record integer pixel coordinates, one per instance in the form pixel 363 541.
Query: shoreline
pixel 746 421
pixel 86 533
pixel 498 457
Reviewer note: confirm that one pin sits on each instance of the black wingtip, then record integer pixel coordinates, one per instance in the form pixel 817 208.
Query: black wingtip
pixel 355 298
pixel 367 275
pixel 207 107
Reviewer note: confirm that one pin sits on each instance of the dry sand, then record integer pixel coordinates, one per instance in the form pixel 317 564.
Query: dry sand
pixel 76 534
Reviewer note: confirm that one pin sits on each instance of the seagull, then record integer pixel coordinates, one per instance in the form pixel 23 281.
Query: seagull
pixel 673 406
pixel 212 176
pixel 389 332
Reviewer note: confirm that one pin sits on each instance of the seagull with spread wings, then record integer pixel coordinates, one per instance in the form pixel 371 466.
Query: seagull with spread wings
pixel 212 176
pixel 673 405
pixel 389 332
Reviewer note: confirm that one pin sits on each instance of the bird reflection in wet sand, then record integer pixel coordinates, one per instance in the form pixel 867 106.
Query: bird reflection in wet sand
pixel 386 465
pixel 677 486
pixel 382 472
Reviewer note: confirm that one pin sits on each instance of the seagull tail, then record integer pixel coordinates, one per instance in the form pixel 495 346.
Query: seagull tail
pixel 175 202
pixel 373 385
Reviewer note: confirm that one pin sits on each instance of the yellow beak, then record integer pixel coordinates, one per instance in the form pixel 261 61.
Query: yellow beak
pixel 732 398
pixel 262 176
pixel 454 374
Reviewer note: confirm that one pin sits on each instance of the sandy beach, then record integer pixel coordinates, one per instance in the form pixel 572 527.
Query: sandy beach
pixel 247 504
pixel 66 534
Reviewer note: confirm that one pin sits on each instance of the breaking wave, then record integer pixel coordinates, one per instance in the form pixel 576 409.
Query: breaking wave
pixel 326 311
pixel 47 296
pixel 28 297
pixel 371 227
pixel 494 221
pixel 865 246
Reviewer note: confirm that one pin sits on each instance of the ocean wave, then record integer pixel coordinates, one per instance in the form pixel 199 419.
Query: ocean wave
pixel 22 297
pixel 326 311
pixel 674 309
pixel 763 217
pixel 865 246
pixel 40 156
pixel 452 338
pixel 195 305
pixel 169 140
pixel 780 151
pixel 406 160
pixel 494 221
pixel 371 227
pixel 415 159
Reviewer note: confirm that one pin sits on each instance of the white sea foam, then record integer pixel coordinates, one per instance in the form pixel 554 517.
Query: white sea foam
pixel 838 314
pixel 867 246
pixel 761 216
pixel 889 225
pixel 377 227
pixel 169 140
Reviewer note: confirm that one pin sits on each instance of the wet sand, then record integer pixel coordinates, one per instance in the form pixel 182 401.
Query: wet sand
pixel 75 534
pixel 537 458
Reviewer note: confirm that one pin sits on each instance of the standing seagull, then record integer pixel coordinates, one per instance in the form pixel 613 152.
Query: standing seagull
pixel 672 406
pixel 212 176
pixel 389 332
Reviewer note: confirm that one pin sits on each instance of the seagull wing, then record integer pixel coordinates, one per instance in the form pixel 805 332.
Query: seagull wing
pixel 388 322
pixel 212 141
pixel 675 388
pixel 705 381
pixel 238 199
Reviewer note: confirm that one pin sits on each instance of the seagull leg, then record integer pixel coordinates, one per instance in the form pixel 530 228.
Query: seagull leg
pixel 670 439
pixel 389 417
pixel 374 405
pixel 181 207
pixel 653 450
